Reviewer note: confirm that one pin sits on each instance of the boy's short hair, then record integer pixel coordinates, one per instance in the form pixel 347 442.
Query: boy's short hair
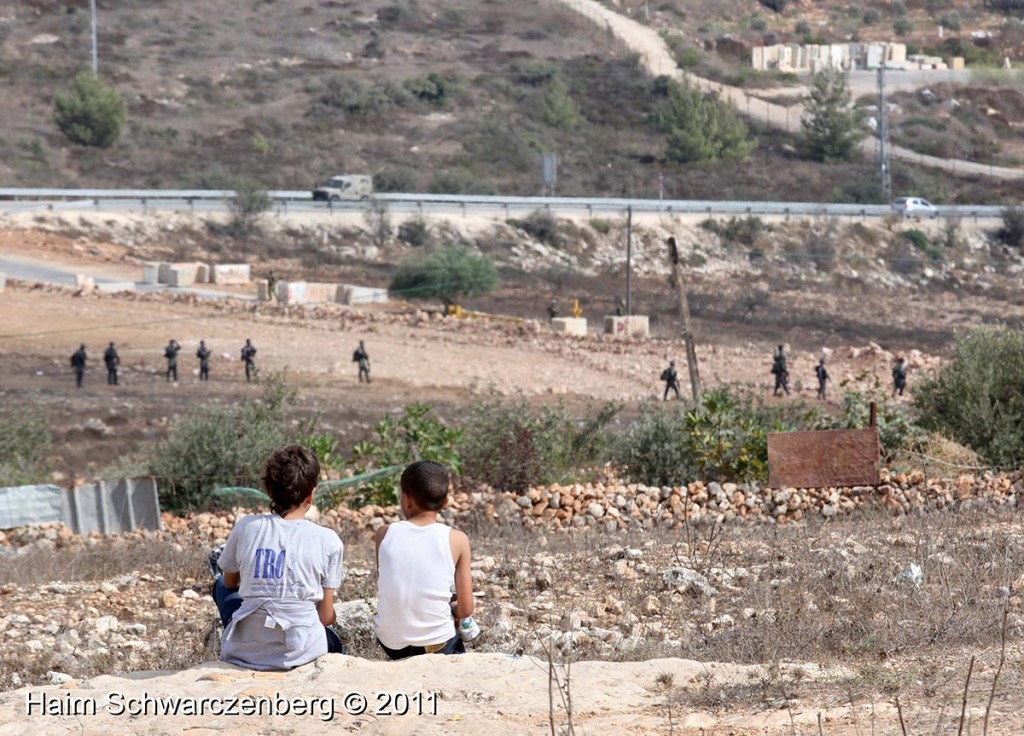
pixel 426 482
pixel 289 475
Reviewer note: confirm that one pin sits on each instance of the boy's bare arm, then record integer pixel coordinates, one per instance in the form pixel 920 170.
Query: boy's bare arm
pixel 378 537
pixel 463 577
pixel 325 608
pixel 232 580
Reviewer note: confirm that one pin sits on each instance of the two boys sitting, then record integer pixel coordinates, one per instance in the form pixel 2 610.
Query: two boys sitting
pixel 280 571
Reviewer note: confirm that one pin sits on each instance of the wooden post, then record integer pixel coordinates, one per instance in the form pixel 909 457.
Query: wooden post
pixel 684 313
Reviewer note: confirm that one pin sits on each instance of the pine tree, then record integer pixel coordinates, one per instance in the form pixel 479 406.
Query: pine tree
pixel 700 127
pixel 832 127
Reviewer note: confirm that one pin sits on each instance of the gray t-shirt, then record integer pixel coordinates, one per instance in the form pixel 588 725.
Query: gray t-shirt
pixel 284 566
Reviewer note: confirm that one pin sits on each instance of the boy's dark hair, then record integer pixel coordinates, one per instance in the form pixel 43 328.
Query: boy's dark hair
pixel 426 482
pixel 289 474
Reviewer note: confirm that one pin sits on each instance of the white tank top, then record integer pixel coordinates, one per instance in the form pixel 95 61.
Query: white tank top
pixel 416 573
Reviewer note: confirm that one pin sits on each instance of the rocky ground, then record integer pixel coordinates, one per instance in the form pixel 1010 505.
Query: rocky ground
pixel 871 594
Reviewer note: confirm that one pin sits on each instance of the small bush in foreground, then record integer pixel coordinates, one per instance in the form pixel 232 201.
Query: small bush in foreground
pixel 449 274
pixel 24 446
pixel 511 447
pixel 977 398
pixel 416 435
pixel 220 446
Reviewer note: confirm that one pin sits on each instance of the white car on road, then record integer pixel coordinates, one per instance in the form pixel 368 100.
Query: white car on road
pixel 915 206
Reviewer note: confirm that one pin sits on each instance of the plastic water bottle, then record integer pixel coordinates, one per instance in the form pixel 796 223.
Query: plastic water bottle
pixel 468 629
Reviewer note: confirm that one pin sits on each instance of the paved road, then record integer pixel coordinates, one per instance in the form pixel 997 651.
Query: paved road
pixel 26 270
pixel 658 59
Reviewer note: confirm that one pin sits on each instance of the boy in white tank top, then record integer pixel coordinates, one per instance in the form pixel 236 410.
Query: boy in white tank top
pixel 418 560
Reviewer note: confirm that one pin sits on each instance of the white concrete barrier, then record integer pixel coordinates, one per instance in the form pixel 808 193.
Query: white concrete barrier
pixel 291 292
pixel 114 287
pixel 320 293
pixel 352 294
pixel 151 273
pixel 570 325
pixel 262 290
pixel 3 281
pixel 163 273
pixel 634 325
pixel 203 273
pixel 182 275
pixel 231 273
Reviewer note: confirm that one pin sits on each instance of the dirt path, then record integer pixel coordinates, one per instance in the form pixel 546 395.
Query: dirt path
pixel 658 60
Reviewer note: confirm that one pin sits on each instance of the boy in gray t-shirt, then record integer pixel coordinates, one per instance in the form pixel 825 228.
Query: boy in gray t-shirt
pixel 280 571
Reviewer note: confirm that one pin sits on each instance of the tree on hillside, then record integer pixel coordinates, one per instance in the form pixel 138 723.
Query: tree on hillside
pixel 832 127
pixel 700 127
pixel 91 113
pixel 450 273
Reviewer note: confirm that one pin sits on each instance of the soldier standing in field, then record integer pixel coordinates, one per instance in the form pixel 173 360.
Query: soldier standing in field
pixel 171 353
pixel 822 374
pixel 203 353
pixel 78 359
pixel 671 379
pixel 362 357
pixel 112 361
pixel 249 358
pixel 780 369
pixel 899 376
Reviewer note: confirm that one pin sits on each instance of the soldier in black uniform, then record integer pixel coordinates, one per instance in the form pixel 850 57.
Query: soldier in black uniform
pixel 822 374
pixel 78 359
pixel 112 361
pixel 780 370
pixel 671 379
pixel 249 358
pixel 362 357
pixel 899 376
pixel 203 353
pixel 171 353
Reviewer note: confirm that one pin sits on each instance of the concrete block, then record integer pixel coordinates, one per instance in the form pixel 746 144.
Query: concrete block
pixel 569 325
pixel 202 273
pixel 262 290
pixel 151 273
pixel 163 273
pixel 231 273
pixel 352 294
pixel 319 292
pixel 181 276
pixel 86 283
pixel 635 325
pixel 114 287
pixel 291 292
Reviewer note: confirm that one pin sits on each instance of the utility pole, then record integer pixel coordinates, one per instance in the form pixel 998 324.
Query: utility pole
pixel 884 164
pixel 95 60
pixel 684 312
pixel 629 260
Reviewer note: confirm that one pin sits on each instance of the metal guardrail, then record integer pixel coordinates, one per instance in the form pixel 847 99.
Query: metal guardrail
pixel 302 200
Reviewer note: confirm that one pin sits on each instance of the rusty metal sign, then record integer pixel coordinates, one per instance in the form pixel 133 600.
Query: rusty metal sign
pixel 833 457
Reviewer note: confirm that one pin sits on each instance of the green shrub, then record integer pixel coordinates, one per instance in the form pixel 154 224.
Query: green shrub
pixel 220 446
pixel 416 435
pixel 601 226
pixel 903 26
pixel 458 181
pixel 726 440
pixel 830 127
pixel 689 57
pixel 415 232
pixel 1012 231
pixel 871 16
pixel 247 209
pixel 560 110
pixel 976 397
pixel 916 238
pixel 745 230
pixel 24 447
pixel 758 23
pixel 449 273
pixel 398 179
pixel 511 447
pixel 91 113
pixel 432 89
pixel 802 28
pixel 540 225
